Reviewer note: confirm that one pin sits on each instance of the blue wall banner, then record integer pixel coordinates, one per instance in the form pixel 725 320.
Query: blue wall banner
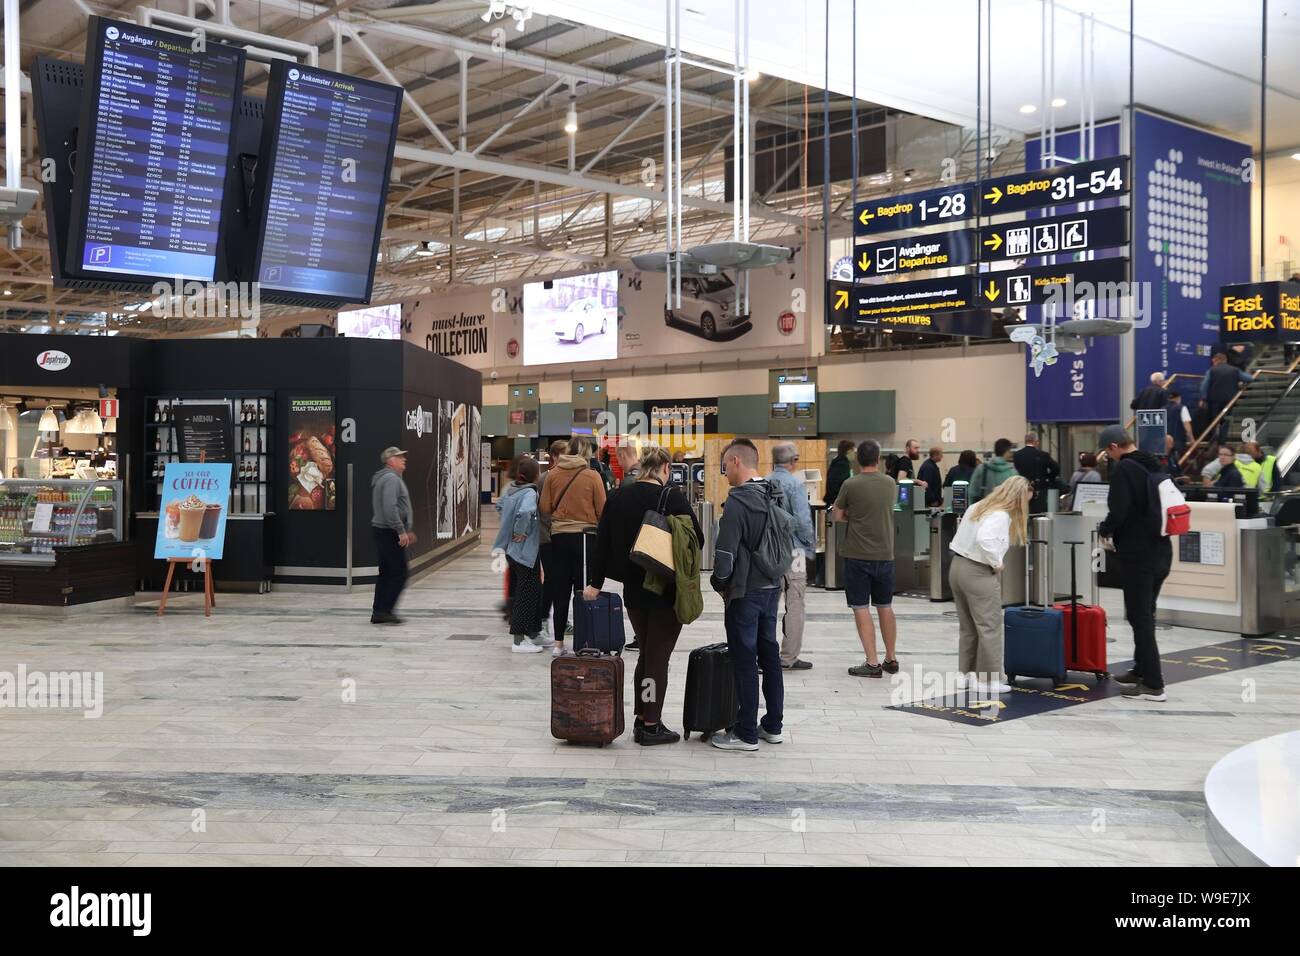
pixel 1079 387
pixel 1191 225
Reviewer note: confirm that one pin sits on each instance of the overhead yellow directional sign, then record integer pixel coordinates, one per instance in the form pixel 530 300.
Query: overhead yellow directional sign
pixel 865 216
pixel 1053 235
pixel 938 250
pixel 864 262
pixel 841 299
pixel 1077 182
pixel 995 243
pixel 992 292
pixel 945 206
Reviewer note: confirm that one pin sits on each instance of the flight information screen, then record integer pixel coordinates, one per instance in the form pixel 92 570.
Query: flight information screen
pixel 327 152
pixel 158 122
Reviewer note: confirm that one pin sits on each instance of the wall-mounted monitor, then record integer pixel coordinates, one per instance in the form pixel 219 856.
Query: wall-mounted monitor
pixel 795 392
pixel 322 182
pixel 571 320
pixel 376 322
pixel 157 122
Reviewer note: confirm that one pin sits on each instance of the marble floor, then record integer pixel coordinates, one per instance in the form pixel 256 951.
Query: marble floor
pixel 286 730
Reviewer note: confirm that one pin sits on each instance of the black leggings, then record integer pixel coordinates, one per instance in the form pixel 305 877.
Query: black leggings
pixel 564 576
pixel 657 630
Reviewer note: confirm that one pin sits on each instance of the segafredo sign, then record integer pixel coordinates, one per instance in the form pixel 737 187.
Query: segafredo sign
pixel 53 360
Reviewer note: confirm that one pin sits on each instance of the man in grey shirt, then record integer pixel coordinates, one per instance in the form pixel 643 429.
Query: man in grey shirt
pixel 391 521
pixel 795 500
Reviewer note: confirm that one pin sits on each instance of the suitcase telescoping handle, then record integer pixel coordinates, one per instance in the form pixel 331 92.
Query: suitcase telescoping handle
pixel 1074 600
pixel 1029 548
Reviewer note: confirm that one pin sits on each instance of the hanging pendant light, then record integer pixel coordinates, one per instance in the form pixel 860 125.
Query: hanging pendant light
pixel 49 421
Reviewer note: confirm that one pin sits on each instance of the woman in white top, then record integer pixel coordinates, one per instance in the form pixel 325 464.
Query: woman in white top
pixel 979 547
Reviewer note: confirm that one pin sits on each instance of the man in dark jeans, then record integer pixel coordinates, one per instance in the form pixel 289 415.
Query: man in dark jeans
pixel 390 520
pixel 1141 556
pixel 751 598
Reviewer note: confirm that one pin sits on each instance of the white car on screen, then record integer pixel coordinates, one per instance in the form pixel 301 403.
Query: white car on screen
pixel 583 317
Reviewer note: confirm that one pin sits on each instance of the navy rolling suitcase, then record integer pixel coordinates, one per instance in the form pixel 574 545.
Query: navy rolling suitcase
pixel 711 702
pixel 1033 637
pixel 597 624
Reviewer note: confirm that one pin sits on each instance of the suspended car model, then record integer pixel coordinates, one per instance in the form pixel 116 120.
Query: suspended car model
pixel 1094 326
pixel 740 255
pixel 658 262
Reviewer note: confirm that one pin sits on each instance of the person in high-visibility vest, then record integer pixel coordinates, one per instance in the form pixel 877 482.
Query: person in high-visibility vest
pixel 1267 479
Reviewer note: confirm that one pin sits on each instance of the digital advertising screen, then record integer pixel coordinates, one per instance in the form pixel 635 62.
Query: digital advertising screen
pixel 795 392
pixel 571 320
pixel 325 158
pixel 156 128
pixel 376 322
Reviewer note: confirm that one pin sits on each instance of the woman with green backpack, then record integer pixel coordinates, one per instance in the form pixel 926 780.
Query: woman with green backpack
pixel 654 601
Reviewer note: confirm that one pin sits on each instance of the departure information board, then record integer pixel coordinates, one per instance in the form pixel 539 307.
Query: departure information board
pixel 327 150
pixel 157 124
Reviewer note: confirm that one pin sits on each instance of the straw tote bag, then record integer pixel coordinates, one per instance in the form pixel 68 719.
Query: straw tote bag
pixel 653 550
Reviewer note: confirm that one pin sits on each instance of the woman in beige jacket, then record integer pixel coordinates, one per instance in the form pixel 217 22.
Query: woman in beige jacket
pixel 572 498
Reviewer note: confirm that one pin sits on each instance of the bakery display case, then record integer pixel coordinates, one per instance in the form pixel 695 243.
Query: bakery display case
pixel 39 516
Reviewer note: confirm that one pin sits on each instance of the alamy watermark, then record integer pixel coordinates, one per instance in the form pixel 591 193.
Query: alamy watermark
pixel 181 299
pixel 41 690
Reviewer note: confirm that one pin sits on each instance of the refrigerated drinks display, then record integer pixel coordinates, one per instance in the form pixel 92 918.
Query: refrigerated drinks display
pixel 38 516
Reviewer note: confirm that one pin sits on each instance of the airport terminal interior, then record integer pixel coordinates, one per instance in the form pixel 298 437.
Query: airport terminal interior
pixel 682 433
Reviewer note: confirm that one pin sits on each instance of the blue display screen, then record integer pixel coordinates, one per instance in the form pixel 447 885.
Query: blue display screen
pixel 326 181
pixel 160 127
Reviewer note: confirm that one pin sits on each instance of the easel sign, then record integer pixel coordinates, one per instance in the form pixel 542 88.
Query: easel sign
pixel 192 521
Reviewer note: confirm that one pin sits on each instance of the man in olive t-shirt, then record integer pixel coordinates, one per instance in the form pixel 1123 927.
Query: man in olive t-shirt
pixel 866 502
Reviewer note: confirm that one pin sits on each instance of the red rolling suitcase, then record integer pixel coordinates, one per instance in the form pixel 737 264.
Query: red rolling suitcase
pixel 1084 626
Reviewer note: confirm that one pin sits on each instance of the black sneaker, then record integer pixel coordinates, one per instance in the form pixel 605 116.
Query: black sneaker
pixel 638 725
pixel 1143 692
pixel 657 734
pixel 1129 677
pixel 632 645
pixel 889 667
pixel 384 617
pixel 798 665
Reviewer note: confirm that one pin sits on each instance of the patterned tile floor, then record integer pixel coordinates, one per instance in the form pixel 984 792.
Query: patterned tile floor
pixel 229 741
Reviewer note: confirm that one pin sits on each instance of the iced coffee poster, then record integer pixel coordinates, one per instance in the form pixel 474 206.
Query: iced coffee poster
pixel 192 515
pixel 311 454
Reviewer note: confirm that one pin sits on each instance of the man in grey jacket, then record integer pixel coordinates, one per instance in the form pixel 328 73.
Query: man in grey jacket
pixel 751 599
pixel 391 521
pixel 795 500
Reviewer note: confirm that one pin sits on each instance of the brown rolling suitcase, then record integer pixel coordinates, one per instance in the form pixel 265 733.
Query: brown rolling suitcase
pixel 587 697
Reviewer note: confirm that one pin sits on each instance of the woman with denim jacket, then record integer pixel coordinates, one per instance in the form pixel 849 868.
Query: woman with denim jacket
pixel 519 539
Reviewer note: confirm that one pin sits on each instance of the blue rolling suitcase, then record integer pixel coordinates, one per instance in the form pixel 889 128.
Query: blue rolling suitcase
pixel 1033 637
pixel 597 624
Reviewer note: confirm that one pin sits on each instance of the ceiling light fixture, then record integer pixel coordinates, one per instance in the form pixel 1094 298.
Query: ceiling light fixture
pixel 752 75
pixel 496 8
pixel 907 176
pixel 49 421
pixel 1058 102
pixel 1293 156
pixel 640 227
pixel 424 249
pixel 1029 108
pixel 571 117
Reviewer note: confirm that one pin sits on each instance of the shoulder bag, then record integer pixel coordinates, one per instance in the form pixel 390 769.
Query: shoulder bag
pixel 653 550
pixel 545 520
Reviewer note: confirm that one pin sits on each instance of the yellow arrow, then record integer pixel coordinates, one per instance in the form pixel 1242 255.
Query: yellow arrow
pixel 864 263
pixel 1206 660
pixel 995 195
pixel 1073 687
pixel 992 291
pixel 995 242
pixel 1269 647
pixel 864 217
pixel 841 299
pixel 976 705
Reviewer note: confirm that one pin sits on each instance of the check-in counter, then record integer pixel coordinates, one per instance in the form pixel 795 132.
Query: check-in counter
pixel 1233 574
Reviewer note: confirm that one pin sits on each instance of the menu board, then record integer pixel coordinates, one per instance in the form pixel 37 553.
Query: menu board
pixel 205 432
pixel 327 150
pixel 157 122
pixel 193 511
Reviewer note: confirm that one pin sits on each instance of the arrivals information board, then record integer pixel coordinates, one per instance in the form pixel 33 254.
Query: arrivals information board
pixel 327 148
pixel 156 130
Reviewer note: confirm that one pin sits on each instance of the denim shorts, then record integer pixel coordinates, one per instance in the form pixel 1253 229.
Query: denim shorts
pixel 868 582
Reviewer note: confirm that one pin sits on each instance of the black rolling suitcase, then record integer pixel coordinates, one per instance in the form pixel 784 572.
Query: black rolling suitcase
pixel 711 702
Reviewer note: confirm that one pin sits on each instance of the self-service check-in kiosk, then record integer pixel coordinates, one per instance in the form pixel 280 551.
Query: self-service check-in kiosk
pixel 942 527
pixel 705 512
pixel 905 535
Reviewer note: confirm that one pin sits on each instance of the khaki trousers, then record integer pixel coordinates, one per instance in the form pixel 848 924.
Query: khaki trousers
pixel 795 585
pixel 977 592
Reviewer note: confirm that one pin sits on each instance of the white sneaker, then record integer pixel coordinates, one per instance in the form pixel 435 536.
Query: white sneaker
pixel 543 639
pixel 984 687
pixel 546 631
pixel 525 647
pixel 557 648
